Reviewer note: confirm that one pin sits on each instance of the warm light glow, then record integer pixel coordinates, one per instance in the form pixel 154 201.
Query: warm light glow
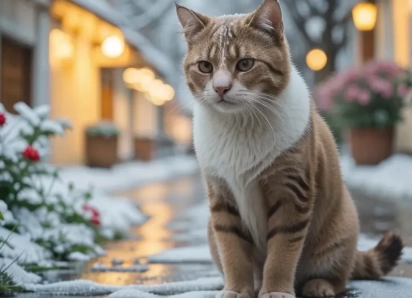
pixel 147 72
pixel 316 59
pixel 61 45
pixel 113 46
pixel 144 80
pixel 131 76
pixel 401 33
pixel 72 18
pixel 364 16
pixel 167 92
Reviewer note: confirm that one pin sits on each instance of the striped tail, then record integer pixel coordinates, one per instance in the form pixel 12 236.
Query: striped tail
pixel 380 260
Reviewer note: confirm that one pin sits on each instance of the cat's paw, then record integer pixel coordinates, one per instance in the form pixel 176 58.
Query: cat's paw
pixel 231 294
pixel 318 288
pixel 277 295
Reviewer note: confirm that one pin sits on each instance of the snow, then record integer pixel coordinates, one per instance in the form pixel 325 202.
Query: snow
pixel 196 254
pixel 52 127
pixel 27 113
pixel 130 175
pixel 208 287
pixel 18 275
pixel 391 179
pixel 22 248
pixel 84 287
pixel 79 257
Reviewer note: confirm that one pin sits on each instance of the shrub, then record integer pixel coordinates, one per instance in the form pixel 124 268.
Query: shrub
pixel 57 218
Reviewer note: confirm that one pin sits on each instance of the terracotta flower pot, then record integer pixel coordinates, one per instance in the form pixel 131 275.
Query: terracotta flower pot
pixel 101 151
pixel 370 146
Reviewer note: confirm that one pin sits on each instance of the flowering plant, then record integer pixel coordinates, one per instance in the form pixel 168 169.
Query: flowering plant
pixel 34 202
pixel 366 97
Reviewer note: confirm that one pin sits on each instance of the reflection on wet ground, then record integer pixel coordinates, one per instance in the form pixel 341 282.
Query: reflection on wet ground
pixel 166 203
pixel 379 216
pixel 163 203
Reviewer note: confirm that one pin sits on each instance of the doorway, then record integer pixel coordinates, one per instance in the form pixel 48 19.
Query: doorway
pixel 16 73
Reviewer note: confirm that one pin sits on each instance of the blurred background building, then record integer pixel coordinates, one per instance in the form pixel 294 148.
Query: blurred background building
pixel 106 60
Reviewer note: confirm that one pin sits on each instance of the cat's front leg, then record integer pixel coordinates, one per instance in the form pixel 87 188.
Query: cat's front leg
pixel 288 220
pixel 234 244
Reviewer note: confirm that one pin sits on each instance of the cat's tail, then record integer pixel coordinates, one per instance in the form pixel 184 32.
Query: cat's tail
pixel 380 260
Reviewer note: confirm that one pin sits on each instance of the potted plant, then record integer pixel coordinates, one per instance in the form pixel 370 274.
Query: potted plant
pixel 368 102
pixel 101 145
pixel 149 148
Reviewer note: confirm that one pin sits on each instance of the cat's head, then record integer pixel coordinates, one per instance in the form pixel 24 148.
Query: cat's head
pixel 238 60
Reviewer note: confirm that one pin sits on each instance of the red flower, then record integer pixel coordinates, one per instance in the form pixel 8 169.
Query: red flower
pixel 89 208
pixel 96 221
pixel 31 154
pixel 2 119
pixel 95 214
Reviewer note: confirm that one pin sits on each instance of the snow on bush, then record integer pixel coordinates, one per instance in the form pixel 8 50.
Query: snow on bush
pixel 48 219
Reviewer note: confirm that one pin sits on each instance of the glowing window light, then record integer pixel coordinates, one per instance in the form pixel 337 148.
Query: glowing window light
pixel 113 46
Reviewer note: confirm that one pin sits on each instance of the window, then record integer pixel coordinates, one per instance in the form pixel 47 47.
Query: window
pixel 15 67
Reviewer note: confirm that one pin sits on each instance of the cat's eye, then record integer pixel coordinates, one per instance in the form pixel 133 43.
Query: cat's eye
pixel 245 64
pixel 205 67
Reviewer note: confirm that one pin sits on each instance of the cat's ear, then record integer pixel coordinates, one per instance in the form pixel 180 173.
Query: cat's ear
pixel 192 22
pixel 268 17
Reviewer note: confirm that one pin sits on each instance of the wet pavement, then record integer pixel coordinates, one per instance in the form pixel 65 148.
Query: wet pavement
pixel 167 205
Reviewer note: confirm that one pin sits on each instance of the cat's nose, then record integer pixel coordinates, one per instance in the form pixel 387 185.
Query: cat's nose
pixel 222 90
pixel 222 82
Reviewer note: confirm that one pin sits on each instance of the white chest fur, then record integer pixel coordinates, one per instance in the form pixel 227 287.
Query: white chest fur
pixel 237 149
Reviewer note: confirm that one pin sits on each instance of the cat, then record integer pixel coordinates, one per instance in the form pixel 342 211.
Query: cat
pixel 282 221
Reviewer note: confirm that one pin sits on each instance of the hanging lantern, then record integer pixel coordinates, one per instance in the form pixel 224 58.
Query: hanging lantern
pixel 365 16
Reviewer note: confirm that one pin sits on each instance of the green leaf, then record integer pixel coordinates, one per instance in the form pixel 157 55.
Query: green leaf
pixel 1 216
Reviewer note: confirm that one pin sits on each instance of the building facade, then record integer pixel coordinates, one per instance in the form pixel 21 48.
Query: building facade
pixel 72 55
pixel 394 42
pixel 24 35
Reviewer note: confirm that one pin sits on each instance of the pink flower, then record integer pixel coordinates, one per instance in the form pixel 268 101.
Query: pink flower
pixel 386 68
pixel 348 76
pixel 352 93
pixel 364 97
pixel 403 90
pixel 380 86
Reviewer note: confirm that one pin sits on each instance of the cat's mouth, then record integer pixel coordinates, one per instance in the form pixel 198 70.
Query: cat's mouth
pixel 225 102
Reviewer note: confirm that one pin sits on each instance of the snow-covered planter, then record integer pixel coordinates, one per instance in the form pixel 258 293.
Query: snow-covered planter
pixel 101 145
pixel 50 219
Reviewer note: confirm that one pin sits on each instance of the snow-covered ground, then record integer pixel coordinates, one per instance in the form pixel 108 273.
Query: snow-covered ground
pixel 391 179
pixel 208 288
pixel 130 175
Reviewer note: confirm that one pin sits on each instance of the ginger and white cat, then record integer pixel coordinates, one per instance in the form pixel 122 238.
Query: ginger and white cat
pixel 282 220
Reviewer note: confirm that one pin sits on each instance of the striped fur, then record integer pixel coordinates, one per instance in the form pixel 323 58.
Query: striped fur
pixel 282 221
